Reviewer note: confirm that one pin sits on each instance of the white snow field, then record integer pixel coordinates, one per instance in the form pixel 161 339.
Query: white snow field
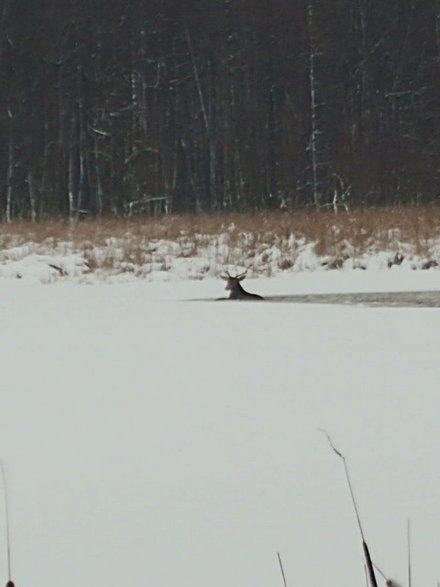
pixel 149 440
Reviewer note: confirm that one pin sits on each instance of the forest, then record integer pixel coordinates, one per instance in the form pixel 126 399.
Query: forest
pixel 119 107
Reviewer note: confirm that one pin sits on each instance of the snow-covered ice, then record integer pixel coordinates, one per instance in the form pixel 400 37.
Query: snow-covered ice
pixel 154 441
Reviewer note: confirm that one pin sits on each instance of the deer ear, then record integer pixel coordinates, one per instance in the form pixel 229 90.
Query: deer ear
pixel 241 277
pixel 224 277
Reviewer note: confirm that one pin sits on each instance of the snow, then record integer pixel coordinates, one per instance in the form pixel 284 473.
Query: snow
pixel 199 256
pixel 153 440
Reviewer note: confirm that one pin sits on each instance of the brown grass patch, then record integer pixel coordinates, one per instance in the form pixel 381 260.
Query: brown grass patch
pixel 339 236
pixel 414 224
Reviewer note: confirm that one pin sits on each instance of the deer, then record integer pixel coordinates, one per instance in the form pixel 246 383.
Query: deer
pixel 235 288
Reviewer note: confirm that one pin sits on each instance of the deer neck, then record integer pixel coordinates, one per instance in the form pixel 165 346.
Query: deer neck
pixel 238 292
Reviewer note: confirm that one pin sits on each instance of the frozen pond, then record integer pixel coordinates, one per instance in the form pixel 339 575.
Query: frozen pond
pixel 163 443
pixel 428 299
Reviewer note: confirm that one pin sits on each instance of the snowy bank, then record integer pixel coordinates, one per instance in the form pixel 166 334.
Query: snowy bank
pixel 196 258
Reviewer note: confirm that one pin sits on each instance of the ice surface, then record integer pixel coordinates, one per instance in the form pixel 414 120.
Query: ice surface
pixel 154 441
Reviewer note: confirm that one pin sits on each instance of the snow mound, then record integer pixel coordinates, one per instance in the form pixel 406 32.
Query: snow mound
pixel 199 256
pixel 42 268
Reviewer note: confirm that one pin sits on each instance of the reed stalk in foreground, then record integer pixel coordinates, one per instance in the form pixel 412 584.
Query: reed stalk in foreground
pixel 408 544
pixel 368 561
pixel 8 538
pixel 369 565
pixel 280 562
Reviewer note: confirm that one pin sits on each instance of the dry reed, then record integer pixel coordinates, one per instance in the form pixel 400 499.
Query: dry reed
pixel 417 225
pixel 337 236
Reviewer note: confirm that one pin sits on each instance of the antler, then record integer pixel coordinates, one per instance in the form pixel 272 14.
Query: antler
pixel 227 275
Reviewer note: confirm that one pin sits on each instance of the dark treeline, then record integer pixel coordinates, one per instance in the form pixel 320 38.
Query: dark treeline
pixel 217 104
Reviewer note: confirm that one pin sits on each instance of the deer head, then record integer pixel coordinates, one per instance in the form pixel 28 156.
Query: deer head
pixel 235 288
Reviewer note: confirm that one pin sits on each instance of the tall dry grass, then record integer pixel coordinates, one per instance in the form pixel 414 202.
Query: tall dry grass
pixel 341 235
pixel 415 224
